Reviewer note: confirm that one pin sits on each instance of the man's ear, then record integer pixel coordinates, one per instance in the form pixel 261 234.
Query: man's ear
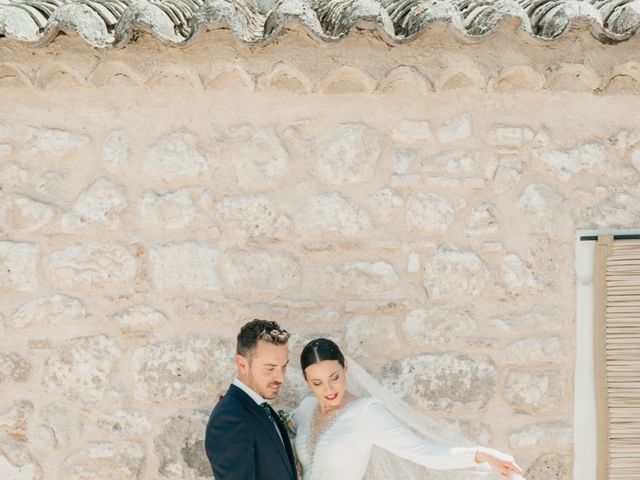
pixel 242 363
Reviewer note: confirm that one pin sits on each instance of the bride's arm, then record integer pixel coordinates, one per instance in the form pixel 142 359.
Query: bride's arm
pixel 389 433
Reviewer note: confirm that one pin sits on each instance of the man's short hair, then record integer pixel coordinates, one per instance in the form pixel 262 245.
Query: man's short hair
pixel 263 330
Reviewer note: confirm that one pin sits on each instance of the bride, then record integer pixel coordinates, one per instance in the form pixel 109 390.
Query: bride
pixel 336 431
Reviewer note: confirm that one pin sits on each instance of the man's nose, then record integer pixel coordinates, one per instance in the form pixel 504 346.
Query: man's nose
pixel 279 376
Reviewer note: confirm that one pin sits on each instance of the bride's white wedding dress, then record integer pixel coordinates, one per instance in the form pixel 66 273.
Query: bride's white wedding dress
pixel 341 450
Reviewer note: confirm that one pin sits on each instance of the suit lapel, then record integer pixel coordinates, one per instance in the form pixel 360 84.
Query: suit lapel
pixel 255 410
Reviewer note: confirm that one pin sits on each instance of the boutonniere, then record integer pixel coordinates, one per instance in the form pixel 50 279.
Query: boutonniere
pixel 287 421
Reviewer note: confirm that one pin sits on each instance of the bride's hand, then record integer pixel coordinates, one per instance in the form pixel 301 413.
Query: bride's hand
pixel 502 463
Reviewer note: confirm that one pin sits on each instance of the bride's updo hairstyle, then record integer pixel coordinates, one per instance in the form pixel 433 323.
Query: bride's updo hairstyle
pixel 319 350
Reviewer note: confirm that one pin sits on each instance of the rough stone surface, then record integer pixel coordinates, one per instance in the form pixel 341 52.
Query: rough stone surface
pixel 80 369
pixel 482 221
pixel 13 368
pixel 553 434
pixel 359 278
pixel 456 128
pixel 182 370
pixel 177 156
pixel 19 213
pixel 99 206
pixel 429 212
pixel 267 272
pixel 53 141
pixel 540 318
pixel 386 204
pixel 454 271
pixel 124 423
pixel 261 161
pixel 347 153
pixel 58 427
pixel 16 463
pixel 511 136
pixel 104 461
pixel 333 213
pixel 550 466
pixel 184 266
pixel 402 159
pixel 14 420
pixel 457 162
pixel 115 150
pixel 366 335
pixel 18 266
pixel 516 277
pixel 635 159
pixel 438 325
pixel 534 389
pixel 564 164
pixel 547 209
pixel 180 446
pixel 176 210
pixel 619 210
pixel 409 131
pixel 442 381
pixel 508 173
pixel 49 311
pixel 532 350
pixel 139 317
pixel 252 216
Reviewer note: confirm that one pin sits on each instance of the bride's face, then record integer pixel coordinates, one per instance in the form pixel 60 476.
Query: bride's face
pixel 327 381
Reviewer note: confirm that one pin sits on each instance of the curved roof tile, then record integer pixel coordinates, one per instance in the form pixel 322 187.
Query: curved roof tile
pixel 111 23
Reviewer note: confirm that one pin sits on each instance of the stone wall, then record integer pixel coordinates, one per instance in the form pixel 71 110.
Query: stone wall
pixel 418 205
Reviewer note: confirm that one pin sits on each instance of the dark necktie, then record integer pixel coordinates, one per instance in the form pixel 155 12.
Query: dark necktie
pixel 267 411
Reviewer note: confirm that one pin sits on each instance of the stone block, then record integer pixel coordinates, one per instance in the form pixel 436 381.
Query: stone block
pixel 635 159
pixel 443 381
pixel 5 150
pixel 413 262
pixel 193 369
pixel 180 446
pixel 565 164
pixel 508 173
pixel 402 159
pixel 14 420
pixel 545 435
pixel 81 368
pixel 536 350
pixel 104 461
pixel 458 163
pixel 261 161
pixel 13 368
pixel 359 278
pixel 452 271
pixel 437 325
pixel 618 210
pixel 531 389
pixel 115 151
pixel 429 212
pixel 50 141
pixel 16 463
pixel 58 427
pixel 410 131
pixel 189 309
pixel 97 207
pixel 517 278
pixel 547 209
pixel 19 266
pixel 261 272
pixel 186 266
pixel 252 216
pixel 347 153
pixel 22 214
pixel 139 317
pixel 176 157
pixel 370 334
pixel 510 136
pixel 456 128
pixel 385 204
pixel 541 318
pixel 124 423
pixel 332 213
pixel 179 209
pixel 49 311
pixel 92 264
pixel 483 220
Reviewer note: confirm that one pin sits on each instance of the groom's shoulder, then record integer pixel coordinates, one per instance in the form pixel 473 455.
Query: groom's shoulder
pixel 233 402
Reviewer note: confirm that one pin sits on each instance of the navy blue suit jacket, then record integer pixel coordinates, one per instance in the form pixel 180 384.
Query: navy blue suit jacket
pixel 242 444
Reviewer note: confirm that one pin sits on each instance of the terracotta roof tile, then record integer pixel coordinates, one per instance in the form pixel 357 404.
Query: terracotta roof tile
pixel 111 23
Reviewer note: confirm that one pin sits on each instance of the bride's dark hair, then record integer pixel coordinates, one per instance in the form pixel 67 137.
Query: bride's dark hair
pixel 318 350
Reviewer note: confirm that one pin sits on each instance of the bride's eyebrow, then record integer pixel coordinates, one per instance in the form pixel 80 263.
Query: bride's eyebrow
pixel 331 375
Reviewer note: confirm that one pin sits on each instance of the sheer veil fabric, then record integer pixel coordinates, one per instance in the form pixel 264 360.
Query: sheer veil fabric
pixel 384 465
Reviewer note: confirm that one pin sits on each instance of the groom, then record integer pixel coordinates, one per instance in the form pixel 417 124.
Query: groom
pixel 245 439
